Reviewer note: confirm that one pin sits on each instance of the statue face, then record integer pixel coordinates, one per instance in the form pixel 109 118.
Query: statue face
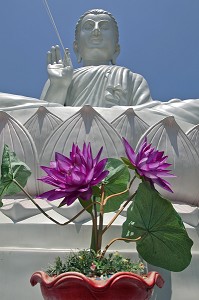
pixel 97 40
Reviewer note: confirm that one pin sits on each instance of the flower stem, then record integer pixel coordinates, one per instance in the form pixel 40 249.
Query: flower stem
pixel 115 195
pixel 118 213
pixel 118 239
pixel 131 182
pixel 94 227
pixel 101 219
pixel 45 214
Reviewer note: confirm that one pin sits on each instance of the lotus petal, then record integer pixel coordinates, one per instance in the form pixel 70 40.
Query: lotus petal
pixel 15 135
pixel 84 126
pixel 40 126
pixel 21 209
pixel 193 135
pixel 69 213
pixel 130 126
pixel 167 136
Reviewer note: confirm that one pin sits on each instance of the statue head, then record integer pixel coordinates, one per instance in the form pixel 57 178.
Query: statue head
pixel 96 38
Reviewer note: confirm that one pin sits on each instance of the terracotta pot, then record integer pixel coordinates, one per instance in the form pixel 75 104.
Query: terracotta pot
pixel 75 286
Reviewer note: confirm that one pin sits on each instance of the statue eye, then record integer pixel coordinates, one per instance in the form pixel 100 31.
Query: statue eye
pixel 88 26
pixel 105 25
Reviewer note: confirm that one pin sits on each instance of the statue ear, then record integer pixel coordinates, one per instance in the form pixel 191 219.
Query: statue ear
pixel 75 48
pixel 115 55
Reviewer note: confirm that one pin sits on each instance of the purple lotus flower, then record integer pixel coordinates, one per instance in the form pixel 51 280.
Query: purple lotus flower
pixel 149 163
pixel 74 176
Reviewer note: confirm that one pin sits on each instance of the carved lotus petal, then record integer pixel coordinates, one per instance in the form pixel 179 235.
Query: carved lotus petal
pixel 19 209
pixel 166 135
pixel 70 212
pixel 193 135
pixel 189 214
pixel 85 125
pixel 130 126
pixel 19 140
pixel 40 126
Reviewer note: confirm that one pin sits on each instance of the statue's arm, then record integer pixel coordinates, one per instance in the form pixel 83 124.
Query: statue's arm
pixel 60 76
pixel 140 92
pixel 45 89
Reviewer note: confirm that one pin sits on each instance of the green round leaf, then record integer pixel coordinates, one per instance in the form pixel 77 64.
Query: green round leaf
pixel 116 182
pixel 12 169
pixel 164 241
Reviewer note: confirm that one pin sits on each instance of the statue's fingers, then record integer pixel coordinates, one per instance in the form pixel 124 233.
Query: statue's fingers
pixel 67 59
pixel 53 55
pixel 49 58
pixel 58 54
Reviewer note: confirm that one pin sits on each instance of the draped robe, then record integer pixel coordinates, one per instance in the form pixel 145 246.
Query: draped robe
pixel 105 86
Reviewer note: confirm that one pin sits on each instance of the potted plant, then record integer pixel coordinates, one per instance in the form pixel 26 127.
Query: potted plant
pixel 103 186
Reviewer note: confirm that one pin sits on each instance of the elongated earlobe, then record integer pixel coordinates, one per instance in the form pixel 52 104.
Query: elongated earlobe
pixel 115 55
pixel 79 58
pixel 75 48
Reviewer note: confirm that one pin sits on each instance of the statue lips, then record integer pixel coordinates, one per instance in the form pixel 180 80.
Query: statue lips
pixel 96 40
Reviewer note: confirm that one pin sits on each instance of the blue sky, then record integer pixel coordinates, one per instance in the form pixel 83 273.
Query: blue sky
pixel 159 39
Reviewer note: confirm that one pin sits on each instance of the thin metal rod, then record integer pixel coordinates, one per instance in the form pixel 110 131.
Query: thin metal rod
pixel 53 23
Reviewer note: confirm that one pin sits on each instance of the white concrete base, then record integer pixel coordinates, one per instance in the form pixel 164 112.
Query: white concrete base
pixel 29 247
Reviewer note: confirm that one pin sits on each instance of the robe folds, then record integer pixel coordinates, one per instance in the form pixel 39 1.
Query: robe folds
pixel 106 86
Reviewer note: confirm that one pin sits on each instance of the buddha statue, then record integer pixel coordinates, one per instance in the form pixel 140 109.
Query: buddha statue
pixel 99 82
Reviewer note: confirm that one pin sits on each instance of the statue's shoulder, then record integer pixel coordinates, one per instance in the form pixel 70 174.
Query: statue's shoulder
pixel 138 78
pixel 101 68
pixel 113 72
pixel 91 71
pixel 124 70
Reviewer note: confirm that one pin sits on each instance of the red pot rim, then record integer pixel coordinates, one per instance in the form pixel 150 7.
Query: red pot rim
pixel 148 281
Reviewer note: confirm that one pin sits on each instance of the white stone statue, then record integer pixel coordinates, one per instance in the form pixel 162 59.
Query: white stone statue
pixel 99 82
pixel 16 102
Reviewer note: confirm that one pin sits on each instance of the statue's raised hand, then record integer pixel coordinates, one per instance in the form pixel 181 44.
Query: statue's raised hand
pixel 59 71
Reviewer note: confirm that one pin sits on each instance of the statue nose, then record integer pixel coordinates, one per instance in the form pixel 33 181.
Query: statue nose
pixel 96 30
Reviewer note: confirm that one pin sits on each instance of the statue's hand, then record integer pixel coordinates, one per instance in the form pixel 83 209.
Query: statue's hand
pixel 59 71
